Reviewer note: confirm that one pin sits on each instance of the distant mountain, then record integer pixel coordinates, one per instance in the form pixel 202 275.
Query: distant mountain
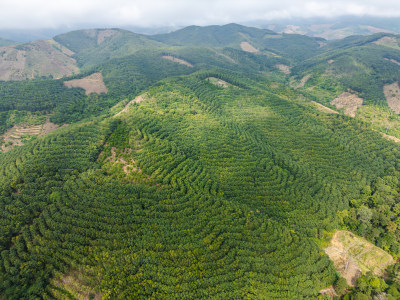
pixel 94 46
pixel 249 39
pixel 35 60
pixel 363 64
pixel 212 36
pixel 5 42
pixel 336 28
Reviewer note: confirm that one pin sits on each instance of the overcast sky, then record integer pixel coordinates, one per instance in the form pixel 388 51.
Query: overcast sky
pixel 20 14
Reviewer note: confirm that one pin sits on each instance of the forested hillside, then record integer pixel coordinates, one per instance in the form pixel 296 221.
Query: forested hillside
pixel 208 163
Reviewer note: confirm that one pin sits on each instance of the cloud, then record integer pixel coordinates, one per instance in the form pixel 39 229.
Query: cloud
pixel 113 13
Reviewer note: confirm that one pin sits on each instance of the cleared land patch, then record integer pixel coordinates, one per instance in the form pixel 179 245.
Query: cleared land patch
pixel 177 60
pixel 283 68
pixel 218 82
pixel 36 59
pixel 354 256
pixel 388 41
pixel 349 102
pixel 248 47
pixel 75 286
pixel 16 135
pixel 392 94
pixel 91 84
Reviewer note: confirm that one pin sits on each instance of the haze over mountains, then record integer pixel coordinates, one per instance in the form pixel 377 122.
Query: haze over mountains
pixel 213 162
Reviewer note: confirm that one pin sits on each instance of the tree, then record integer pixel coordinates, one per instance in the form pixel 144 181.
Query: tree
pixel 340 286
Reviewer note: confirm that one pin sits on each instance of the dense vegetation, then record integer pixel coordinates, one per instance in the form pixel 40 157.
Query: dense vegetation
pixel 206 189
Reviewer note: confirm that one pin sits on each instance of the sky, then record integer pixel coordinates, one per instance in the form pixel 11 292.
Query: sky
pixel 37 14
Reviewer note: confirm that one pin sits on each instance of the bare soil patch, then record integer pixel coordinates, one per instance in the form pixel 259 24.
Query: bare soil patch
pixel 331 61
pixel 248 48
pixel 91 84
pixel 138 99
pixel 283 68
pixel 392 94
pixel 350 102
pixel 218 82
pixel 325 109
pixel 354 256
pixel 177 60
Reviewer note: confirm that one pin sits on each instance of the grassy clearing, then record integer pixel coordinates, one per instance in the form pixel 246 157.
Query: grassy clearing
pixel 354 256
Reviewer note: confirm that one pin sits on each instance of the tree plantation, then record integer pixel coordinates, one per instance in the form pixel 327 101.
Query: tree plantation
pixel 197 189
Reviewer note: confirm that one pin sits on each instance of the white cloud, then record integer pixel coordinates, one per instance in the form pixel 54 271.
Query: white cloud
pixel 55 13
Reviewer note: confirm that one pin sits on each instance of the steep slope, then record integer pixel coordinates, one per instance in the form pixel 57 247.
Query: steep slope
pixel 35 60
pixel 95 46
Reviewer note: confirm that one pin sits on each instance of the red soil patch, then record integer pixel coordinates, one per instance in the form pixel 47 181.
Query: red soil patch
pixel 349 101
pixel 392 94
pixel 91 84
pixel 178 60
pixel 248 48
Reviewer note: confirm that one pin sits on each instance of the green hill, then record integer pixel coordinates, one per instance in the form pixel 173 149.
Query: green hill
pixel 211 163
pixel 94 46
pixel 232 35
pixel 362 64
